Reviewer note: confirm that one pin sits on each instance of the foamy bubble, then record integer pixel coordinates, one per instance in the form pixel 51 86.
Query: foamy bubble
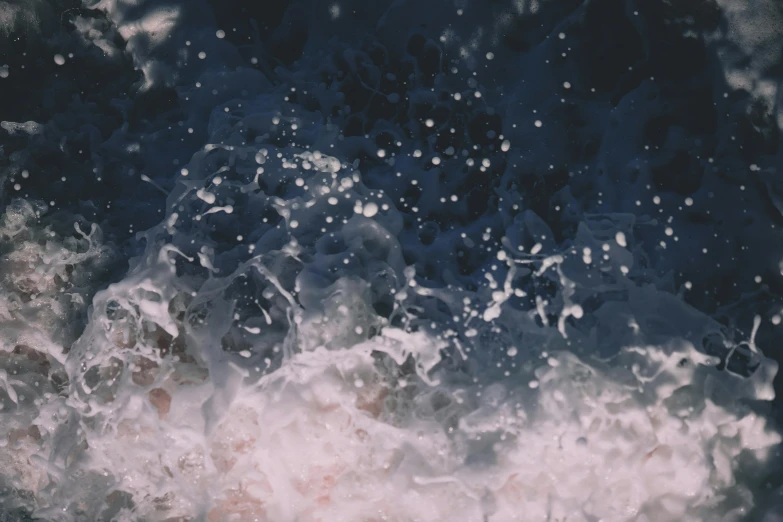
pixel 370 209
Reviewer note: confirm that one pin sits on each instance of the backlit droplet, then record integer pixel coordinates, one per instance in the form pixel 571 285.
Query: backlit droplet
pixel 370 209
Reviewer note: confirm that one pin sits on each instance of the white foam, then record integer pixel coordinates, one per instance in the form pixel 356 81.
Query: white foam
pixel 338 428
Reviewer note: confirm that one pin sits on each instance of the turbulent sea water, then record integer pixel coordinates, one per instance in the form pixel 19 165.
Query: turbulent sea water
pixel 445 260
